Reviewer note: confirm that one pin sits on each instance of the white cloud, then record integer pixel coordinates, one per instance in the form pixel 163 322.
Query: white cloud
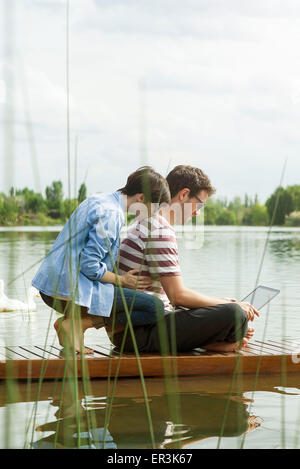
pixel 222 81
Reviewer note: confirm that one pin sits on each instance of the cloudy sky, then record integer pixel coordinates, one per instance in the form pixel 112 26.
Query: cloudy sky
pixel 211 83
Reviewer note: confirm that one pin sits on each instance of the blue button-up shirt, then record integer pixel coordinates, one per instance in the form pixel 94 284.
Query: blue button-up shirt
pixel 84 250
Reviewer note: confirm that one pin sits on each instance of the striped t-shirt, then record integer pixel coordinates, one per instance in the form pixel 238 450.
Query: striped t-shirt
pixel 151 246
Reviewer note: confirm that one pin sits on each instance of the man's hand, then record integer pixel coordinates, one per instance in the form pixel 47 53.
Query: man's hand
pixel 133 281
pixel 250 311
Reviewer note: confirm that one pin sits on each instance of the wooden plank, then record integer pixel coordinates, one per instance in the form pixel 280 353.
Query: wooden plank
pixel 266 346
pixel 264 350
pixel 285 346
pixel 35 353
pixel 9 355
pixel 278 344
pixel 108 352
pixel 294 341
pixel 201 353
pixel 2 354
pixel 18 352
pixel 278 347
pixel 155 366
pixel 111 349
pixel 30 361
pixel 246 352
pixel 49 351
pixel 60 354
pixel 252 349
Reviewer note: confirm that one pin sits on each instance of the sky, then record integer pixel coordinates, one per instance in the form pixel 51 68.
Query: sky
pixel 210 83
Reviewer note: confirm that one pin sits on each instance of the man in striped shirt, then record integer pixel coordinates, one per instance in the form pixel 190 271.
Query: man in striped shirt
pixel 151 248
pixel 198 320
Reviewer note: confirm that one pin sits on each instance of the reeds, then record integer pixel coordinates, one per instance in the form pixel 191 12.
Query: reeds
pixel 69 385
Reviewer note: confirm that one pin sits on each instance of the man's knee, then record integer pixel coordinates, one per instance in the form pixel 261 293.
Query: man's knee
pixel 159 308
pixel 237 316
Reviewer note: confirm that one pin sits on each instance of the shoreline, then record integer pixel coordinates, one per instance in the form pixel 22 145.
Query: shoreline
pixel 178 228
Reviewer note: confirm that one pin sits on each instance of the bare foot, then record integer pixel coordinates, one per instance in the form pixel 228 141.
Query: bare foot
pixel 68 339
pixel 244 343
pixel 222 347
pixel 250 333
pixel 227 346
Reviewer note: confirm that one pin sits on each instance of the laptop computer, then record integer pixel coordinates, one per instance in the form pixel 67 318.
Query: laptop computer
pixel 260 296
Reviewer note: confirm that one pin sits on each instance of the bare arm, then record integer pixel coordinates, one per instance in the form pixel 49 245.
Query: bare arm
pixel 179 295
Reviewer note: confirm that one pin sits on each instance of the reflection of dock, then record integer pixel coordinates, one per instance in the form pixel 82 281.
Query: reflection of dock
pixel 271 356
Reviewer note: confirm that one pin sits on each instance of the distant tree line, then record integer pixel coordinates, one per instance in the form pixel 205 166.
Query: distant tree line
pixel 26 207
pixel 281 208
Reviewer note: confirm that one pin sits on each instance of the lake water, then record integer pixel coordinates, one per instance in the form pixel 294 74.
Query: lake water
pixel 265 414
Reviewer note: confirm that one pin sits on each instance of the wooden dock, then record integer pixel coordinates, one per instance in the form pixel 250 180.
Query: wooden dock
pixel 48 362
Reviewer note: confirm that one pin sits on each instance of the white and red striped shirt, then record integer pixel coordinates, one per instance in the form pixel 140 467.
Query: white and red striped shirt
pixel 151 247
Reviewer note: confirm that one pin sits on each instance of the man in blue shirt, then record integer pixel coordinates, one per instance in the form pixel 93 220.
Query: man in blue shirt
pixel 77 277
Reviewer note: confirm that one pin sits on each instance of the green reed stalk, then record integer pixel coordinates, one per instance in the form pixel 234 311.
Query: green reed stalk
pixel 271 224
pixel 235 373
pixel 256 376
pixel 129 324
pixel 42 373
pixel 30 130
pixel 297 432
pixel 283 374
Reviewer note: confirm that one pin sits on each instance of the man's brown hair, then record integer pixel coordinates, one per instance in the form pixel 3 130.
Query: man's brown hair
pixel 185 176
pixel 148 182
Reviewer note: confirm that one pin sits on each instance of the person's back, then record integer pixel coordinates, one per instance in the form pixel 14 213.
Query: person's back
pixel 150 246
pixel 66 271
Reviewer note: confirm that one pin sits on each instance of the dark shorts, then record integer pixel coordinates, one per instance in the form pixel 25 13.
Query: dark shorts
pixel 185 330
pixel 144 309
pixel 65 307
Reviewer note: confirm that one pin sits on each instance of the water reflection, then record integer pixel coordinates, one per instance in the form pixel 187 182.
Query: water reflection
pixel 51 417
pixel 285 246
pixel 202 416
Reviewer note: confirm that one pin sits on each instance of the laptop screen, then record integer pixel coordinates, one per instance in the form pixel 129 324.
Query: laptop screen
pixel 261 296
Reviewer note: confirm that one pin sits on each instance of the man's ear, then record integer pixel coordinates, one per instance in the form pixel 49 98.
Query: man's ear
pixel 184 193
pixel 140 198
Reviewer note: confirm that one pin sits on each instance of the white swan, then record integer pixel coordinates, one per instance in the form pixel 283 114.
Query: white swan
pixel 8 304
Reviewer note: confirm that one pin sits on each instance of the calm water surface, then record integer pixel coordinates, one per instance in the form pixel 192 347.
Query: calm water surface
pixel 226 264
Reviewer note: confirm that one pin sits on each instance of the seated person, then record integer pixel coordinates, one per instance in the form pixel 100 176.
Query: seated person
pixel 77 278
pixel 218 324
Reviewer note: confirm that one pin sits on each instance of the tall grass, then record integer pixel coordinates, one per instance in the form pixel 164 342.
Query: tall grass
pixel 69 385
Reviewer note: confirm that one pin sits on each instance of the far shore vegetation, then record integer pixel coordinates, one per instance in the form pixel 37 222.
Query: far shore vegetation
pixel 25 207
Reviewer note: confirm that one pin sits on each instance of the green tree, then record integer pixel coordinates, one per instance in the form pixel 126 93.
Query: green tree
pixel 32 202
pixel 212 210
pixel 69 205
pixel 293 219
pixel 227 217
pixel 256 215
pixel 285 205
pixel 54 195
pixel 237 208
pixel 294 191
pixel 82 193
pixel 9 211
